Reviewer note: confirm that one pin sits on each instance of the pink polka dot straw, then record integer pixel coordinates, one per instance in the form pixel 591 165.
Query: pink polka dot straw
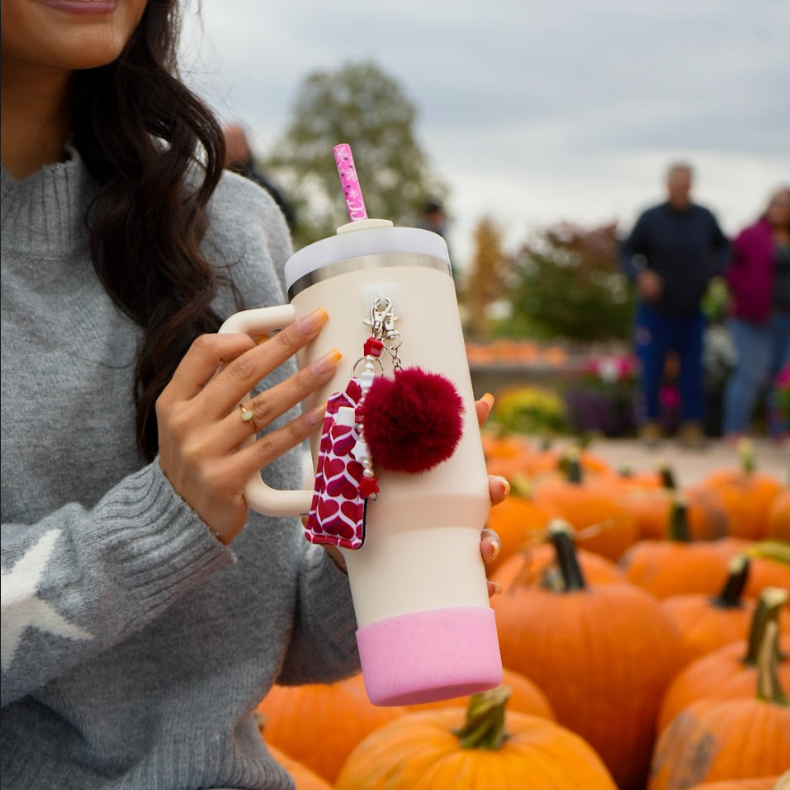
pixel 350 182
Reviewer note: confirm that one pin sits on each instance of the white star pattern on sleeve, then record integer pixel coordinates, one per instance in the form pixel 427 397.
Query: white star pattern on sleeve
pixel 22 608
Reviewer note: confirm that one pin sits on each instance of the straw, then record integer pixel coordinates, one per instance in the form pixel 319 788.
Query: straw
pixel 350 182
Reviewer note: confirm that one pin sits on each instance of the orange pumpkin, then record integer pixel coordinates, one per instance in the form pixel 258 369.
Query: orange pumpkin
pixel 649 498
pixel 747 495
pixel 486 748
pixel 568 641
pixel 337 715
pixel 537 565
pixel 590 508
pixel 770 566
pixel 707 623
pixel 768 783
pixel 677 566
pixel 779 517
pixel 304 778
pixel 525 697
pixel 729 672
pixel 730 739
pixel 515 520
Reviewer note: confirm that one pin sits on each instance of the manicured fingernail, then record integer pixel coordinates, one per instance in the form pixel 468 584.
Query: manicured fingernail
pixel 307 324
pixel 489 399
pixel 326 362
pixel 497 588
pixel 315 416
pixel 496 547
pixel 504 485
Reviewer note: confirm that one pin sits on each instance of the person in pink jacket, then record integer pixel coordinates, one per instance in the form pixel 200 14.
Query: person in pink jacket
pixel 759 282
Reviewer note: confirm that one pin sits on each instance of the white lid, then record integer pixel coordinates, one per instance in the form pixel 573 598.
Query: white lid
pixel 367 237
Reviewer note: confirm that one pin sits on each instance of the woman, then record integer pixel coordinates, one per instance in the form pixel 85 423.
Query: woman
pixel 141 623
pixel 759 281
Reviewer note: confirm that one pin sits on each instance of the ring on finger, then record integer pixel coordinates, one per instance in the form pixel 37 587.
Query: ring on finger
pixel 249 417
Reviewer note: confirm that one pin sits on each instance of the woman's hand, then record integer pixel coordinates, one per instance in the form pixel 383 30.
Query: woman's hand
pixel 490 543
pixel 201 430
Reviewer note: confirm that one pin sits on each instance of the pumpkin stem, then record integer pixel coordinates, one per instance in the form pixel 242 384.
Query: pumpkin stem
pixel 772 599
pixel 561 537
pixel 732 592
pixel 769 688
pixel 678 528
pixel 522 486
pixel 775 550
pixel 626 471
pixel 747 456
pixel 573 466
pixel 667 473
pixel 484 727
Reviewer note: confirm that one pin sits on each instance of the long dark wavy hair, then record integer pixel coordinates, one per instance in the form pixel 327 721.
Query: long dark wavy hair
pixel 157 153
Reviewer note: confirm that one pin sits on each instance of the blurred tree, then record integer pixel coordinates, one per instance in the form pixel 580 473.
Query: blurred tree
pixel 483 284
pixel 565 283
pixel 360 105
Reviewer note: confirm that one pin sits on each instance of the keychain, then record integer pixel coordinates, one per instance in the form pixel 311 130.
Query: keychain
pixel 410 423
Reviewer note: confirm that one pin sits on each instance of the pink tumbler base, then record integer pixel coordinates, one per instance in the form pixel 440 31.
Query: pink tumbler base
pixel 432 655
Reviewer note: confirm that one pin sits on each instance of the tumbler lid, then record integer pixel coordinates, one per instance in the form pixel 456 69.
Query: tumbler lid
pixel 364 238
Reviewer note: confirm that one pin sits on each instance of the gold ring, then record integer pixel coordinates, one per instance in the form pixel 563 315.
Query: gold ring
pixel 249 417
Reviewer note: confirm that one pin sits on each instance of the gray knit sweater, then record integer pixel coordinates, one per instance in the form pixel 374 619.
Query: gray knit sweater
pixel 134 644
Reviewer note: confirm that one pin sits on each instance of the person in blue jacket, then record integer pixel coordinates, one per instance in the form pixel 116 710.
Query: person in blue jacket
pixel 673 251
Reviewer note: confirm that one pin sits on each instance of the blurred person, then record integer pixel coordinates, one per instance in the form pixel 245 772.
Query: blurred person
pixel 145 609
pixel 434 218
pixel 673 251
pixel 759 283
pixel 239 159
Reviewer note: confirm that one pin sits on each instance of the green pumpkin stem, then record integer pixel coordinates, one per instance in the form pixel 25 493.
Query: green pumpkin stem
pixel 678 527
pixel 731 594
pixel 667 474
pixel 769 688
pixel 768 608
pixel 747 456
pixel 573 466
pixel 561 537
pixel 776 550
pixel 484 727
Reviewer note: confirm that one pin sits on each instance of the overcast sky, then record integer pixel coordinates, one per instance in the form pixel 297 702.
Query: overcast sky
pixel 534 112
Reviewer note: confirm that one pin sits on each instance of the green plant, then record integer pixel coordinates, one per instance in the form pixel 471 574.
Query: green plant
pixel 530 410
pixel 565 282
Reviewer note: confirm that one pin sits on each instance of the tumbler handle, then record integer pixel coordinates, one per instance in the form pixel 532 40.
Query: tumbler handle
pixel 261 497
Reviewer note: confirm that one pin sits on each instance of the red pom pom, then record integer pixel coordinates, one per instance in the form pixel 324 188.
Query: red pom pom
pixel 413 421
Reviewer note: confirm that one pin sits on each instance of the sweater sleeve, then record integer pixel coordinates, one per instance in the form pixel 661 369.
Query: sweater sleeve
pixel 323 641
pixel 79 580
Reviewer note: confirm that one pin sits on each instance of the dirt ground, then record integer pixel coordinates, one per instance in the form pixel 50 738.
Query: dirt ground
pixel 691 466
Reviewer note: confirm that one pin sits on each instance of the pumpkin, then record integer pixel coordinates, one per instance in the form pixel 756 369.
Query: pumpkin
pixel 525 697
pixel 337 716
pixel 304 778
pixel 729 739
pixel 515 520
pixel 570 640
pixel 705 622
pixel 747 495
pixel 537 565
pixel 768 783
pixel 676 566
pixel 649 498
pixel 484 748
pixel 606 527
pixel 770 566
pixel 779 517
pixel 729 672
